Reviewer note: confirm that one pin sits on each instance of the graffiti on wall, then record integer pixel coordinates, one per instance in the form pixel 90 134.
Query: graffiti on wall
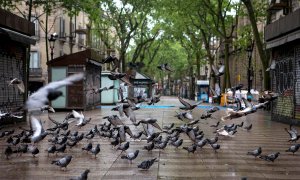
pixel 284 75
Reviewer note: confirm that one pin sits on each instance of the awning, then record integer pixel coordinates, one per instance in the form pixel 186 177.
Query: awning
pixel 284 39
pixel 15 36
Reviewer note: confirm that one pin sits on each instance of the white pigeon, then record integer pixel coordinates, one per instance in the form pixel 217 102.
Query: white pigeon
pixel 19 83
pixel 79 117
pixel 40 98
pixel 38 131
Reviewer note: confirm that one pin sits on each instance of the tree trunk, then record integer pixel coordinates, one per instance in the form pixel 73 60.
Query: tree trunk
pixel 259 43
pixel 198 64
pixel 226 82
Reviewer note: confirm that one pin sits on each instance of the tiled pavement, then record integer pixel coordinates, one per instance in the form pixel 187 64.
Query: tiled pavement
pixel 231 161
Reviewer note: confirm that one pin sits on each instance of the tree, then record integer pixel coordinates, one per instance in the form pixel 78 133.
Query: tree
pixel 259 42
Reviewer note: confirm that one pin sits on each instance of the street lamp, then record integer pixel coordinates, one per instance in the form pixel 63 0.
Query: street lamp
pixel 52 40
pixel 250 74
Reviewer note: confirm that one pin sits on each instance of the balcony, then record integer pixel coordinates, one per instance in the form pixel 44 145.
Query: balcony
pixel 283 26
pixel 35 72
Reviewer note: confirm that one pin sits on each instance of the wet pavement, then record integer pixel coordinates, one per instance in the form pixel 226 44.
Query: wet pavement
pixel 230 162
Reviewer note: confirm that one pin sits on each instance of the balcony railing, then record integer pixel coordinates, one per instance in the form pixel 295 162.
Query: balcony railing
pixel 35 72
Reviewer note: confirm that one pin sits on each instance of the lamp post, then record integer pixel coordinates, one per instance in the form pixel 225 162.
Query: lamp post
pixel 250 73
pixel 52 40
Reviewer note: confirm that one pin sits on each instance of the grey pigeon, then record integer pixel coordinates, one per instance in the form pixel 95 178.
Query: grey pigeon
pixel 215 147
pixel 248 128
pixel 255 152
pixel 187 106
pixel 51 149
pixel 191 149
pixel 50 92
pixel 87 147
pixel 131 156
pixel 293 148
pixel 149 147
pixel 63 162
pixel 123 147
pixel 201 143
pixel 61 148
pixel 33 150
pixel 168 127
pixel 177 143
pixel 270 157
pixel 215 125
pixel 137 135
pixel 95 150
pixel 145 165
pixel 83 175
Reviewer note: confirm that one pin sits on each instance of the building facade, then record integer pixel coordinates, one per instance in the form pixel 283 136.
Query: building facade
pixel 282 38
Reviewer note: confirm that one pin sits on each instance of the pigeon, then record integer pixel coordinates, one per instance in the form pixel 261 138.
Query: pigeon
pixel 217 72
pixel 168 127
pixel 149 147
pixel 213 109
pixel 8 151
pixel 248 128
pixel 191 149
pixel 162 145
pixel 187 106
pixel 270 157
pixel 81 121
pixel 115 142
pixel 293 135
pixel 51 149
pixel 241 125
pixel 123 147
pixel 112 59
pixel 19 83
pixel 215 147
pixel 227 133
pixel 50 92
pixel 145 165
pixel 255 152
pixel 137 135
pixel 193 122
pixel 72 143
pixel 213 140
pixel 131 156
pixel 151 121
pixel 293 148
pixel 33 150
pixel 201 143
pixel 23 148
pixel 95 150
pixel 165 67
pixel 38 131
pixel 272 65
pixel 83 175
pixel 61 148
pixel 63 162
pixel 177 143
pixel 215 125
pixel 114 120
pixel 87 147
pixel 182 115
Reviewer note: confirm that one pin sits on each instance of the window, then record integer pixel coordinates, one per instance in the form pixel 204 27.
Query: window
pixel 62 27
pixel 34 59
pixel 72 32
pixel 36 25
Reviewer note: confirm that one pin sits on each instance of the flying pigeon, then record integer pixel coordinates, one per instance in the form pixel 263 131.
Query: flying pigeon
pixel 63 162
pixel 50 92
pixel 217 72
pixel 187 106
pixel 151 121
pixel 165 67
pixel 145 165
pixel 39 132
pixel 19 83
pixel 168 127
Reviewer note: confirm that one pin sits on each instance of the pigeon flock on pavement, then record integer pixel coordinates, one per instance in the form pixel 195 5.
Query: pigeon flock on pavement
pixel 62 138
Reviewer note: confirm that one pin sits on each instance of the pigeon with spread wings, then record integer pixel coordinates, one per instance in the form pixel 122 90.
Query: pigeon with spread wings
pixel 187 106
pixel 50 92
